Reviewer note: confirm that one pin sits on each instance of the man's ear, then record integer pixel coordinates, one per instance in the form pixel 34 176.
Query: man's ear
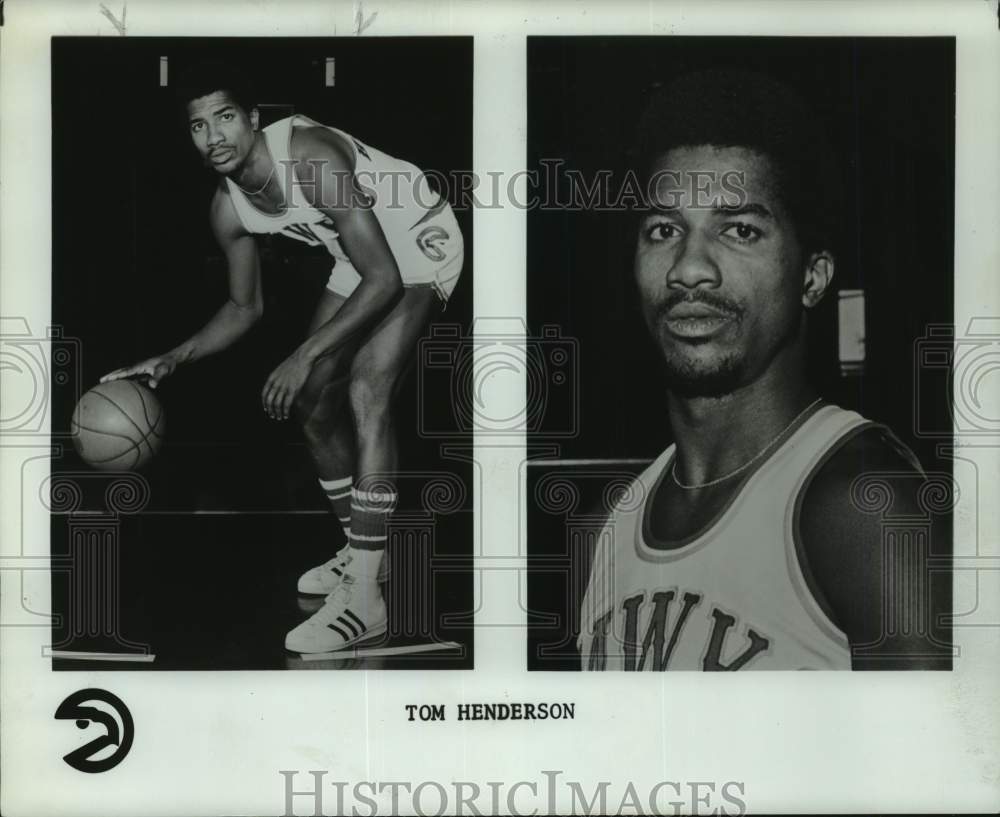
pixel 818 275
pixel 255 119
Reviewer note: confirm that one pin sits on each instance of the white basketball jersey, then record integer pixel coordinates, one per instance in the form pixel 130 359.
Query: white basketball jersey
pixel 402 199
pixel 732 597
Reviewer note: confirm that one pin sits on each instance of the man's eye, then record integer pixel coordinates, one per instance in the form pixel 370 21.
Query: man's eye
pixel 662 231
pixel 196 127
pixel 743 232
pixel 226 117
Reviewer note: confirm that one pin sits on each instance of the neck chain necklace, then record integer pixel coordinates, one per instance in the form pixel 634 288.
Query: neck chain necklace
pixel 263 187
pixel 747 464
pixel 267 181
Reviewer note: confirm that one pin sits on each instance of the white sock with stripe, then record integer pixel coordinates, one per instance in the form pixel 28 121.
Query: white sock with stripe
pixel 369 520
pixel 338 491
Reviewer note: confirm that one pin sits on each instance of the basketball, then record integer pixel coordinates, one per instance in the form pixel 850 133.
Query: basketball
pixel 118 426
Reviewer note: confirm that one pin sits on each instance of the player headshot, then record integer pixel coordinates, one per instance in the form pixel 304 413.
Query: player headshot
pixel 396 255
pixel 744 545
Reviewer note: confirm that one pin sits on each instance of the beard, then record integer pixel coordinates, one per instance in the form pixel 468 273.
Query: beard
pixel 688 377
pixel 719 366
pixel 695 375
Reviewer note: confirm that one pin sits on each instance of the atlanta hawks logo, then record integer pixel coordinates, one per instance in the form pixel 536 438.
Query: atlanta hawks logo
pixel 430 241
pixel 117 723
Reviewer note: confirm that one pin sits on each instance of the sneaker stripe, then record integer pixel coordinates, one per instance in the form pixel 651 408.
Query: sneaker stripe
pixel 347 623
pixel 357 620
pixel 338 572
pixel 339 632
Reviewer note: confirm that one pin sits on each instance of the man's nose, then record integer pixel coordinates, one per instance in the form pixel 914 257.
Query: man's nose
pixel 694 265
pixel 214 135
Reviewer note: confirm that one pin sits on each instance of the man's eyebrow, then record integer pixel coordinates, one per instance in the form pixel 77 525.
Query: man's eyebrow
pixel 750 208
pixel 226 107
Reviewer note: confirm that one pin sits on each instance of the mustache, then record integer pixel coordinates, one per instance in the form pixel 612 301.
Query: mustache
pixel 208 159
pixel 706 298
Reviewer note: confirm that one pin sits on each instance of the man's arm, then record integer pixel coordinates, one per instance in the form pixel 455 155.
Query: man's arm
pixel 877 588
pixel 245 304
pixel 326 173
pixel 235 317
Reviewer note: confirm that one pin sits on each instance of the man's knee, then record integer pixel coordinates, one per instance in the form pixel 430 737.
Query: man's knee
pixel 318 410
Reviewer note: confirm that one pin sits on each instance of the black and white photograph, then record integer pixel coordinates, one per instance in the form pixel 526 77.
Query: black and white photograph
pixel 477 357
pixel 252 250
pixel 752 244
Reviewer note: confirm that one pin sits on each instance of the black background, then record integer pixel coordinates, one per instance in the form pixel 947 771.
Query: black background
pixel 136 271
pixel 889 107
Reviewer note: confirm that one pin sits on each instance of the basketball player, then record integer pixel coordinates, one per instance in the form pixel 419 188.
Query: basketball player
pixel 746 544
pixel 397 254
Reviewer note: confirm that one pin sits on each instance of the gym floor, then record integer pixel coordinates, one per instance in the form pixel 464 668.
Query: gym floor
pixel 216 590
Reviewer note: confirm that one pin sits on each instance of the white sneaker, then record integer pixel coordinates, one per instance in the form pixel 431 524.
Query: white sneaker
pixel 353 613
pixel 323 580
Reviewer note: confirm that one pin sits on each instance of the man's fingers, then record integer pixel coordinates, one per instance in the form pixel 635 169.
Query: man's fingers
pixel 129 371
pixel 267 398
pixel 277 400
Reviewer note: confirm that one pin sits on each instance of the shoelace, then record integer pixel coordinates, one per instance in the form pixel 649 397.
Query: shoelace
pixel 336 602
pixel 340 559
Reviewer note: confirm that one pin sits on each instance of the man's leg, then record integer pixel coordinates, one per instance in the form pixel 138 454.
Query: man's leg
pixel 320 408
pixel 322 412
pixel 376 372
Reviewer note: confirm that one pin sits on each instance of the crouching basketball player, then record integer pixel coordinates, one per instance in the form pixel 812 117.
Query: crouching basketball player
pixel 750 545
pixel 397 256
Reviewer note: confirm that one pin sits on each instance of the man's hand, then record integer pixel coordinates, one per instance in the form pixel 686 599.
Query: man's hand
pixel 284 385
pixel 152 371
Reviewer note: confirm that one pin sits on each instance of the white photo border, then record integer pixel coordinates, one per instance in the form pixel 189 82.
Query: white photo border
pixel 215 742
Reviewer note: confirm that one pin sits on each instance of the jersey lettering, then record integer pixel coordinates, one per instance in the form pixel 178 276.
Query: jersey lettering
pixel 599 643
pixel 305 232
pixel 658 624
pixel 713 658
pixel 361 149
pixel 655 635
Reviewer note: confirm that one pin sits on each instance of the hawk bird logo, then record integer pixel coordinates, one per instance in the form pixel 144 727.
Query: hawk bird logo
pixel 72 709
pixel 430 240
